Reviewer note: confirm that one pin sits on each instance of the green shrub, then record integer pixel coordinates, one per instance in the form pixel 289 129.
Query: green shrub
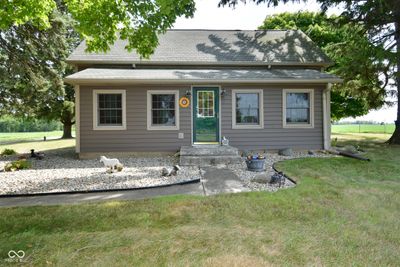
pixel 8 152
pixel 20 164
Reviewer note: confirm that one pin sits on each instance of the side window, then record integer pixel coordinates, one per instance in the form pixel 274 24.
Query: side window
pixel 109 110
pixel 162 110
pixel 247 109
pixel 298 108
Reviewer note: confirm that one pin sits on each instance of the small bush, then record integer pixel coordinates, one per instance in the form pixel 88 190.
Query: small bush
pixel 17 165
pixel 8 152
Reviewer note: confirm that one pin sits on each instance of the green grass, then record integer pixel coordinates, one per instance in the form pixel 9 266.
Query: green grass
pixel 344 212
pixel 25 147
pixel 24 142
pixel 28 136
pixel 363 128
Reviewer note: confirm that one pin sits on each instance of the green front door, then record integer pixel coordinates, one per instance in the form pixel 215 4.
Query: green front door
pixel 206 115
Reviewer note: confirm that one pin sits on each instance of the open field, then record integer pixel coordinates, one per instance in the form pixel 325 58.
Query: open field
pixel 24 142
pixel 43 146
pixel 6 138
pixel 363 128
pixel 343 212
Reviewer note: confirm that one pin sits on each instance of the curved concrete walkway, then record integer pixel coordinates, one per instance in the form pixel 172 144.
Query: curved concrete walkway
pixel 214 181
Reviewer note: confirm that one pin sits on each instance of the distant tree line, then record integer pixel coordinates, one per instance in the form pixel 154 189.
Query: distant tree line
pixel 10 124
pixel 361 122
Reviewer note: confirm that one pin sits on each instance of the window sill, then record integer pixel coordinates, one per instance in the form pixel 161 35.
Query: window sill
pixel 298 126
pixel 163 128
pixel 248 127
pixel 109 128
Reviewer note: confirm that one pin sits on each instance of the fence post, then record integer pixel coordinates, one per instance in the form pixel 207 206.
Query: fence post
pixel 359 128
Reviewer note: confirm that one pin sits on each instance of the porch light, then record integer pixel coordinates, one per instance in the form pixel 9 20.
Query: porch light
pixel 223 91
pixel 188 93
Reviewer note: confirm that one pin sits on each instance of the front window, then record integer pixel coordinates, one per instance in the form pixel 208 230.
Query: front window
pixel 247 111
pixel 110 109
pixel 298 108
pixel 162 110
pixel 109 112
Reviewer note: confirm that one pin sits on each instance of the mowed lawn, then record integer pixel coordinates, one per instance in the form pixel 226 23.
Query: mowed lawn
pixel 6 138
pixel 24 142
pixel 363 128
pixel 344 212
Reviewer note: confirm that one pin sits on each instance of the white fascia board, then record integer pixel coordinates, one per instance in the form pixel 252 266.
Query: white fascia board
pixel 199 81
pixel 202 63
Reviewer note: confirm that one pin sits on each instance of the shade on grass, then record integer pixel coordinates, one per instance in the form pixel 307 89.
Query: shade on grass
pixel 343 212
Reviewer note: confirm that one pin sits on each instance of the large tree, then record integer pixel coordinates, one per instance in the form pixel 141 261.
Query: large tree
pixel 101 22
pixel 37 36
pixel 349 48
pixel 381 21
pixel 32 67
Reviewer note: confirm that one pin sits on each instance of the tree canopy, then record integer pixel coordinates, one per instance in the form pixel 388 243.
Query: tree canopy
pixel 32 67
pixel 37 36
pixel 100 23
pixel 380 20
pixel 355 58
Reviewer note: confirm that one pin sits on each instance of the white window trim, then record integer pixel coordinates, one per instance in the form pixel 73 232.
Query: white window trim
pixel 96 125
pixel 149 119
pixel 298 125
pixel 261 107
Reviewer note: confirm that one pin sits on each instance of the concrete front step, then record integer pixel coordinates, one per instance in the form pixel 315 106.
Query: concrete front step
pixel 203 161
pixel 207 155
pixel 209 150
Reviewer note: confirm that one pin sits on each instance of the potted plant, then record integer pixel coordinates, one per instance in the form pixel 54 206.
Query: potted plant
pixel 255 163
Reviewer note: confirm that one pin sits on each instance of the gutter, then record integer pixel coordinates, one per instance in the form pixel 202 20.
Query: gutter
pixel 193 63
pixel 93 81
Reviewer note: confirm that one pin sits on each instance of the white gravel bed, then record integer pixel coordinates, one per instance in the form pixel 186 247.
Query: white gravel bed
pixel 247 177
pixel 62 172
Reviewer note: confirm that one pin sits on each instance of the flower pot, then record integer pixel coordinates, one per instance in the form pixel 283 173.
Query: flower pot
pixel 255 165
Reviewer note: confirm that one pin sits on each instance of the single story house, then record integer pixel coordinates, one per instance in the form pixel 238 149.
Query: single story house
pixel 261 89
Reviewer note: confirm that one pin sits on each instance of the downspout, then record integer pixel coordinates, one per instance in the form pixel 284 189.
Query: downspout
pixel 77 114
pixel 326 109
pixel 77 120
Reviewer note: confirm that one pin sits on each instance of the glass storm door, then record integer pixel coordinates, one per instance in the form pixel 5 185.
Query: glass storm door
pixel 205 115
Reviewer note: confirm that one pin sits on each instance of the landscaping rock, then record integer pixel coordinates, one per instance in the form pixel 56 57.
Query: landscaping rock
pixel 166 171
pixel 61 171
pixel 310 152
pixel 351 149
pixel 249 178
pixel 246 153
pixel 277 177
pixel 285 152
pixel 262 178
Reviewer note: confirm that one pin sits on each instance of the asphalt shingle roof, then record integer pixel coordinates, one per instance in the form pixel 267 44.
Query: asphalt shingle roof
pixel 200 75
pixel 216 47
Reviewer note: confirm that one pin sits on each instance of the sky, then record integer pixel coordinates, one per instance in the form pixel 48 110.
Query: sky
pixel 249 17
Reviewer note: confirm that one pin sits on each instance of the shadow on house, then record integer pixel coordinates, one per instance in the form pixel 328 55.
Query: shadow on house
pixel 263 46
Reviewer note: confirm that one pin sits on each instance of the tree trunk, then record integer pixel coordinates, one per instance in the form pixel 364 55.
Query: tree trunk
pixel 395 139
pixel 67 131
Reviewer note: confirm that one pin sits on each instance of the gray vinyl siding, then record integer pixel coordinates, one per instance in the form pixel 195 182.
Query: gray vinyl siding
pixel 138 139
pixel 273 136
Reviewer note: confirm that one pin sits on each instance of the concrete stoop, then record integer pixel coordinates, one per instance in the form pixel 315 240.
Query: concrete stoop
pixel 208 155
